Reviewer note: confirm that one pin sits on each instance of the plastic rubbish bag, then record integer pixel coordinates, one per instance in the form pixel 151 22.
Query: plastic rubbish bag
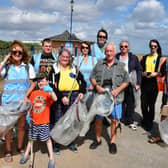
pixel 103 105
pixel 133 80
pixel 163 128
pixel 77 119
pixel 68 127
pixel 10 113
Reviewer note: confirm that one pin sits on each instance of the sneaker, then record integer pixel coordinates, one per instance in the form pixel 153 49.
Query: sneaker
pixel 95 144
pixel 73 148
pixel 112 148
pixel 23 160
pixel 51 164
pixel 133 127
pixel 56 149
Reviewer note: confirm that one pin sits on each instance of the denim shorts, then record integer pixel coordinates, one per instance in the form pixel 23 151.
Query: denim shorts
pixel 116 113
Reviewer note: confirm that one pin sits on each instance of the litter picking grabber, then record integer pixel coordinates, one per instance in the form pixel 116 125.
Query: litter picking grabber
pixel 31 164
pixel 75 78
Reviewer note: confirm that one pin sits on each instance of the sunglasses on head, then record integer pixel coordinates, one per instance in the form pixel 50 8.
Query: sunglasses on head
pixel 104 37
pixel 85 47
pixel 124 46
pixel 153 46
pixel 17 52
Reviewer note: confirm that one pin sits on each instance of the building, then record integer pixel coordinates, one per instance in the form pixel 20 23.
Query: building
pixel 63 40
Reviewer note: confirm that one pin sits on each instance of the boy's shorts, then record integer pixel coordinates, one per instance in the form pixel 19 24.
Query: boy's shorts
pixel 41 132
pixel 116 113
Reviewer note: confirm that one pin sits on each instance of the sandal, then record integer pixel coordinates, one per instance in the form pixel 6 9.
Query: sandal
pixel 8 157
pixel 153 140
pixel 51 164
pixel 23 160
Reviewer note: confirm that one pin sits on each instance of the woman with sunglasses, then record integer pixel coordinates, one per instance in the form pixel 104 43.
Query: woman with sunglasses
pixel 85 63
pixel 18 75
pixel 149 89
pixel 164 110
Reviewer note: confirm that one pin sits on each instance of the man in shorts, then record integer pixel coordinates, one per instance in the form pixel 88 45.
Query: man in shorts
pixel 109 73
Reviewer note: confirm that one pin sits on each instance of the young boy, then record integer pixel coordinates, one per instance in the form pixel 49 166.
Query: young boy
pixel 41 100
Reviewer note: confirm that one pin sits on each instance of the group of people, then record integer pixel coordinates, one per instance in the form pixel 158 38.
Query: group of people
pixel 52 83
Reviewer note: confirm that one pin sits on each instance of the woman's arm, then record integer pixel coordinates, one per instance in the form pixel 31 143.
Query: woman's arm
pixel 53 95
pixel 5 60
pixel 31 88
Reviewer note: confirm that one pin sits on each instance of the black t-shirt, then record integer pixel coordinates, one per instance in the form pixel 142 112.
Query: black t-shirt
pixel 46 62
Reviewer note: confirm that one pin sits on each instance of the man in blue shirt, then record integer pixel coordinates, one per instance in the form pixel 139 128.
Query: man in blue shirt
pixel 98 49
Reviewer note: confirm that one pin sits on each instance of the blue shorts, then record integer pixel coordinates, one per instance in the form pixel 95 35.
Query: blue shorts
pixel 116 113
pixel 41 132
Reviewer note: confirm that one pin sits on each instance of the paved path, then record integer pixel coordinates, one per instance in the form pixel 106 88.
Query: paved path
pixel 133 151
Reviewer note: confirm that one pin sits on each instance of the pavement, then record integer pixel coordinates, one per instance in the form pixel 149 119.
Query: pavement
pixel 134 151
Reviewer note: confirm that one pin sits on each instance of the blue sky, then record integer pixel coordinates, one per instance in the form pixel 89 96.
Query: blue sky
pixel 137 21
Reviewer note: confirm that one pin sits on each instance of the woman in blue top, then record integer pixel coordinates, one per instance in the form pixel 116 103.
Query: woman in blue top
pixel 85 63
pixel 17 73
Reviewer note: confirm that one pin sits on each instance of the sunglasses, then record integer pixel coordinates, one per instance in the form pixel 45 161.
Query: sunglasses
pixel 104 37
pixel 83 47
pixel 153 46
pixel 17 52
pixel 124 46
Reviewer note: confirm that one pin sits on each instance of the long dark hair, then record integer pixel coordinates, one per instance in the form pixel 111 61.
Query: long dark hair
pixel 159 50
pixel 88 44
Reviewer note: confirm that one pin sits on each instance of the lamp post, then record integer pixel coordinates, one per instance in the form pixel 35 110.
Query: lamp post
pixel 70 38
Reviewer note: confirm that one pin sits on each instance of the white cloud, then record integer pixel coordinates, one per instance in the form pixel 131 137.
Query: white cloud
pixel 114 3
pixel 55 5
pixel 143 25
pixel 148 11
pixel 86 12
pixel 25 3
pixel 83 10
pixel 118 32
pixel 135 20
pixel 17 19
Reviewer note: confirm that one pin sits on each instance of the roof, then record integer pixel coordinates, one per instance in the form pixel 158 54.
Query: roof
pixel 65 36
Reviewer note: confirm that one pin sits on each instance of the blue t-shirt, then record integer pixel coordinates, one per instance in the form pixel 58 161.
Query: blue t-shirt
pixel 97 52
pixel 86 68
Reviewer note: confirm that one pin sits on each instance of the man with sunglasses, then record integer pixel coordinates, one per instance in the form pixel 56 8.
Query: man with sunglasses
pixel 133 67
pixel 98 49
